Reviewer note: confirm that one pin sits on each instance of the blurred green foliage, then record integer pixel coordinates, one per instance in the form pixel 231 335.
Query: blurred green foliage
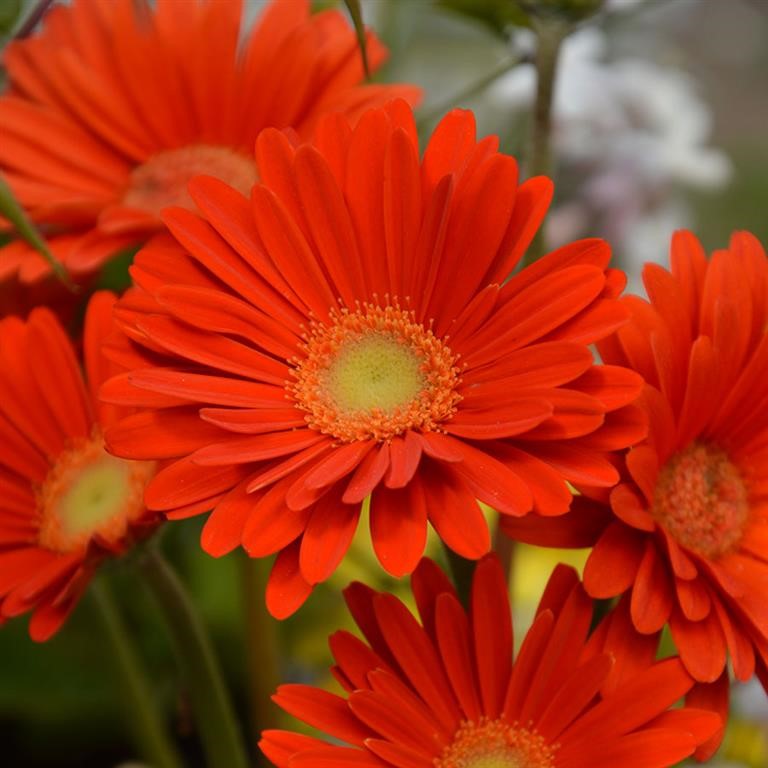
pixel 501 15
pixel 114 275
pixel 10 11
pixel 497 15
pixel 742 205
pixel 568 10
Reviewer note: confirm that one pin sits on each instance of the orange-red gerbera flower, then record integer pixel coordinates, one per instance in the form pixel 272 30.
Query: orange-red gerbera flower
pixel 115 105
pixel 689 532
pixel 345 334
pixel 65 504
pixel 446 693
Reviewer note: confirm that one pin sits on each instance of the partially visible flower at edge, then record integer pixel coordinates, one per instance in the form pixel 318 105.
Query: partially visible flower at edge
pixel 346 334
pixel 686 532
pixel 445 692
pixel 65 504
pixel 114 106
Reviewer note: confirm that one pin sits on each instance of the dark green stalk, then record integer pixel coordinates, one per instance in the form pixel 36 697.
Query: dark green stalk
pixel 261 644
pixel 34 18
pixel 210 699
pixel 550 34
pixel 461 571
pixel 143 720
pixel 504 547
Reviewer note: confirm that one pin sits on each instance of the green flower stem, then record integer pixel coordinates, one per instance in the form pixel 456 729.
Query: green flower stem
pixel 148 732
pixel 33 19
pixel 505 549
pixel 210 700
pixel 550 33
pixel 462 571
pixel 261 644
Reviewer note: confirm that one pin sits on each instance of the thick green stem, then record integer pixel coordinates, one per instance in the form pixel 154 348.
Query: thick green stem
pixel 462 571
pixel 261 645
pixel 210 699
pixel 144 722
pixel 550 34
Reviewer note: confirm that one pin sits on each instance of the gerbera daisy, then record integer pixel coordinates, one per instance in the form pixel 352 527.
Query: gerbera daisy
pixel 344 334
pixel 114 106
pixel 65 504
pixel 689 531
pixel 446 693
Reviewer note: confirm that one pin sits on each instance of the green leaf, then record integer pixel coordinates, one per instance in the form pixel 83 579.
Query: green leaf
pixel 11 210
pixel 353 6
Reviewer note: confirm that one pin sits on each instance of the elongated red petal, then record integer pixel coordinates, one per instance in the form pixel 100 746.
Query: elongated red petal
pixel 399 527
pixel 492 634
pixel 286 590
pixel 327 537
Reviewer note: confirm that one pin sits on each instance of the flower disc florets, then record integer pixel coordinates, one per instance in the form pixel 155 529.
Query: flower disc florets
pixel 702 501
pixel 496 744
pixel 374 373
pixel 89 493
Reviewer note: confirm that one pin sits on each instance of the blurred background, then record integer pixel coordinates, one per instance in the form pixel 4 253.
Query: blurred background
pixel 660 117
pixel 660 111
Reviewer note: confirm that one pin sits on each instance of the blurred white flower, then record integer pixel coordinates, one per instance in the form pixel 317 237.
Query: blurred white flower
pixel 667 123
pixel 646 237
pixel 633 113
pixel 629 132
pixel 749 700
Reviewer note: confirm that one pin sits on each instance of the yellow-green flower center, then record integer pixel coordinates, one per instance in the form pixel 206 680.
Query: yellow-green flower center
pixel 89 493
pixel 702 501
pixel 496 744
pixel 374 373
